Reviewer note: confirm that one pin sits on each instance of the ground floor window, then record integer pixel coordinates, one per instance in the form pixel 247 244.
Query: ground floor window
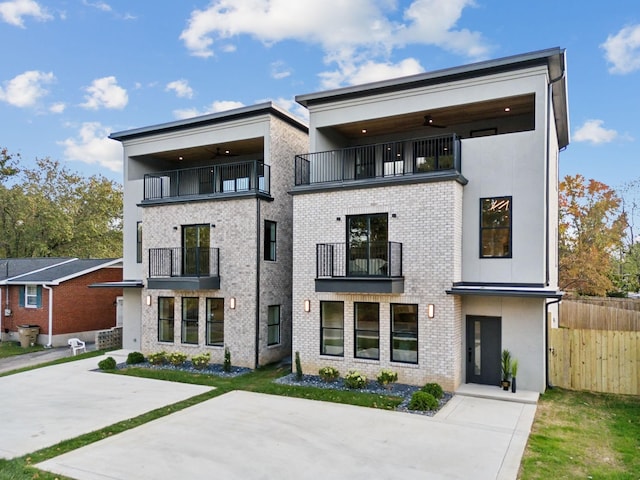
pixel 273 325
pixel 165 319
pixel 404 333
pixel 332 328
pixel 215 321
pixel 367 330
pixel 190 320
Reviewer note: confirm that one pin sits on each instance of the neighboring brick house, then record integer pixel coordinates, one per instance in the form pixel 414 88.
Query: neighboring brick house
pixel 27 286
pixel 207 234
pixel 425 223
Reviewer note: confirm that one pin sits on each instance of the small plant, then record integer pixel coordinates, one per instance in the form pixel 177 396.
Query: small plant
pixel 176 358
pixel 157 358
pixel 298 367
pixel 514 374
pixel 355 379
pixel 201 361
pixel 434 389
pixel 387 377
pixel 505 367
pixel 134 358
pixel 226 364
pixel 107 364
pixel 329 374
pixel 423 401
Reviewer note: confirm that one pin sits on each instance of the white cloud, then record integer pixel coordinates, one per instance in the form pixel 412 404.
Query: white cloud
pixel 622 50
pixel 217 106
pixel 57 107
pixel 370 71
pixel 26 89
pixel 279 70
pixel 12 12
pixel 181 88
pixel 92 145
pixel 593 132
pixel 105 7
pixel 361 31
pixel 105 92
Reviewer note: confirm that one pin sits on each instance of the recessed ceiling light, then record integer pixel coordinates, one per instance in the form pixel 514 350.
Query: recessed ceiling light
pixel 179 158
pixel 227 152
pixel 364 130
pixel 507 109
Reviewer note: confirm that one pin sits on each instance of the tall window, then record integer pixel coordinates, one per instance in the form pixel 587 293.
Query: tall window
pixel 367 331
pixel 215 321
pixel 332 328
pixel 165 319
pixel 139 242
pixel 404 333
pixel 367 239
pixel 195 246
pixel 190 320
pixel 393 159
pixel 273 325
pixel 495 227
pixel 32 296
pixel 269 240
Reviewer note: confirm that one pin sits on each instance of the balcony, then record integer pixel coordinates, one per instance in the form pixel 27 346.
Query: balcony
pixel 184 268
pixel 232 179
pixel 434 157
pixel 368 267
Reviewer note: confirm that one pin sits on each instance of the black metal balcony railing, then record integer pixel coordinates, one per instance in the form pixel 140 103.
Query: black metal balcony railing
pixel 366 259
pixel 184 262
pixel 213 180
pixel 391 159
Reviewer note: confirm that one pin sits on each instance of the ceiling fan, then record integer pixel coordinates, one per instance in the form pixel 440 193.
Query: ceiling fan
pixel 428 122
pixel 220 153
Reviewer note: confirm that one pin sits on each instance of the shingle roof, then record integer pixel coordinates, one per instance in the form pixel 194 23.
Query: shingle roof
pixel 48 270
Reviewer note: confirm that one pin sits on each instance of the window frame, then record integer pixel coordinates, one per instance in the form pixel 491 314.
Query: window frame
pixel 357 331
pixel 508 228
pixel 270 244
pixel 393 330
pixel 34 295
pixel 185 323
pixel 172 319
pixel 270 325
pixel 138 242
pixel 323 328
pixel 211 323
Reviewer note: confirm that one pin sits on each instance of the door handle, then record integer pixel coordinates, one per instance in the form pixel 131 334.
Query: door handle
pixel 469 353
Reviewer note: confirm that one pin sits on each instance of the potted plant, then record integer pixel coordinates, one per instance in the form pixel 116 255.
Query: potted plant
pixel 514 373
pixel 505 365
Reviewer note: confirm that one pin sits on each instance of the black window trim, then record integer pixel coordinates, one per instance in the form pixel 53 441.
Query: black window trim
pixel 391 331
pixel 356 330
pixel 279 324
pixel 481 228
pixel 268 242
pixel 183 321
pixel 322 328
pixel 160 299
pixel 209 322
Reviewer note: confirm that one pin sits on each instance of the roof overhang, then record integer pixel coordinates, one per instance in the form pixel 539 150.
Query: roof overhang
pixel 122 284
pixel 505 291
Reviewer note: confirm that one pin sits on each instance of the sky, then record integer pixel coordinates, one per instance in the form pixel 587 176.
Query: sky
pixel 74 71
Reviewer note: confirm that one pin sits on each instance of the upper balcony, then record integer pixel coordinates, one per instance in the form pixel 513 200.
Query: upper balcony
pixel 209 182
pixel 184 268
pixel 435 157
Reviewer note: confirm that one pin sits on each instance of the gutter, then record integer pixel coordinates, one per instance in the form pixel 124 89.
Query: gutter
pixel 48 345
pixel 257 319
pixel 546 338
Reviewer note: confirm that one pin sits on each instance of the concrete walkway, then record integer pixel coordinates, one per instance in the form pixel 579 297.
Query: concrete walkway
pixel 36 358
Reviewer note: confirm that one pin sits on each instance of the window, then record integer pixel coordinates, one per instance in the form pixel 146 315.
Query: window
pixel 404 333
pixel 273 325
pixel 393 159
pixel 269 240
pixel 367 240
pixel 32 296
pixel 495 227
pixel 165 319
pixel 332 328
pixel 139 242
pixel 215 321
pixel 367 332
pixel 190 320
pixel 195 245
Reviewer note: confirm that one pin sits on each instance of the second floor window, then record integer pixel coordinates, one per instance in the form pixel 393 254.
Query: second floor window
pixel 495 227
pixel 139 242
pixel 269 240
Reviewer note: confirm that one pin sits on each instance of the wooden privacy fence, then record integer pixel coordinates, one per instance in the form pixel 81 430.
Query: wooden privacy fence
pixel 601 314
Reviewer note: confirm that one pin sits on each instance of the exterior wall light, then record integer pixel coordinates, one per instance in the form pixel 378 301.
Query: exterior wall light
pixel 307 306
pixel 232 303
pixel 431 310
pixel 148 300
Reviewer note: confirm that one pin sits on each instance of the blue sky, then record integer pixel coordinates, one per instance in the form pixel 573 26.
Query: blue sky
pixel 74 71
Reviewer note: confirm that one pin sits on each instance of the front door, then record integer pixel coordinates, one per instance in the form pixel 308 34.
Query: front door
pixel 483 349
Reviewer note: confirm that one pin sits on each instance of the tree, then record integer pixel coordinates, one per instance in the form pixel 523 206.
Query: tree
pixel 592 230
pixel 50 211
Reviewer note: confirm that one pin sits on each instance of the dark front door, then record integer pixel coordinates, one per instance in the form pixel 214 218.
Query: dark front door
pixel 483 349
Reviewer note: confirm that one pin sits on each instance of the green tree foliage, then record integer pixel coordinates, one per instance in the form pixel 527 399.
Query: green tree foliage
pixel 592 230
pixel 49 211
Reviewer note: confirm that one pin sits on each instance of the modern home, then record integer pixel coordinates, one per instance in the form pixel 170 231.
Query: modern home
pixel 208 234
pixel 425 223
pixel 53 295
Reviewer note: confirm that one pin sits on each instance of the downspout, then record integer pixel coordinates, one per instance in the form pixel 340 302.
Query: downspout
pixel 257 326
pixel 1 312
pixel 48 345
pixel 546 338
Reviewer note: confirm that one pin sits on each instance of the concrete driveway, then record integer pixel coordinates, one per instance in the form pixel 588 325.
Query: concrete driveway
pixel 242 435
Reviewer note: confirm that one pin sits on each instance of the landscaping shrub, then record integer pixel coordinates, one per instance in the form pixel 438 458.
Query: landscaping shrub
pixel 387 377
pixel 157 358
pixel 135 357
pixel 107 364
pixel 176 358
pixel 434 389
pixel 226 364
pixel 201 361
pixel 298 367
pixel 355 379
pixel 329 374
pixel 423 401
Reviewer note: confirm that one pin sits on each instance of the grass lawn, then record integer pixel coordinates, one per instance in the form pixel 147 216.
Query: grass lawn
pixel 584 435
pixel 9 349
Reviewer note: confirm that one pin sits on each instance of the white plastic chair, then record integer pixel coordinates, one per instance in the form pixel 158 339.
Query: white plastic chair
pixel 77 345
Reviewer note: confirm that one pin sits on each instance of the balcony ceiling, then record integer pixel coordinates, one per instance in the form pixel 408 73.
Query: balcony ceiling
pixel 216 151
pixel 450 117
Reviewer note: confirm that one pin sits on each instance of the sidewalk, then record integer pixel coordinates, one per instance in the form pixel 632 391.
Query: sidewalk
pixel 36 358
